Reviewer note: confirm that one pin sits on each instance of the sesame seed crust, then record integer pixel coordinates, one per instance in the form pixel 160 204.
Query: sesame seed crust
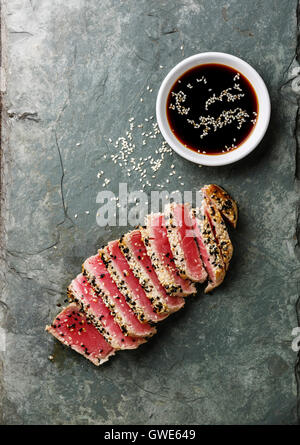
pixel 221 232
pixel 216 270
pixel 223 202
pixel 163 274
pixel 175 241
pixel 135 297
pixel 118 279
pixel 183 243
pixel 97 312
pixel 163 268
pixel 150 290
pixel 135 249
pixel 110 302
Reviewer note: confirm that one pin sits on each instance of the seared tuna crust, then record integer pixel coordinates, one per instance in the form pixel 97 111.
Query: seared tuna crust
pixel 222 201
pixel 140 263
pixel 81 292
pixel 128 284
pixel 220 231
pixel 209 249
pixel 155 238
pixel 94 269
pixel 182 242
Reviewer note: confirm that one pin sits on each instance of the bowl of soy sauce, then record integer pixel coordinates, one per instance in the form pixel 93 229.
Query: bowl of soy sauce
pixel 213 108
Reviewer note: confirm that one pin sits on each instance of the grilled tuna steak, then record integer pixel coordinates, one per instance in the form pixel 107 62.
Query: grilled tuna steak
pixel 100 279
pixel 135 252
pixel 182 242
pixel 142 278
pixel 81 292
pixel 128 284
pixel 155 238
pixel 72 328
pixel 209 249
pixel 222 201
pixel 219 230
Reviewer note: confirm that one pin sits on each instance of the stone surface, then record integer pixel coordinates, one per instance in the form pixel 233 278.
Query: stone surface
pixel 75 74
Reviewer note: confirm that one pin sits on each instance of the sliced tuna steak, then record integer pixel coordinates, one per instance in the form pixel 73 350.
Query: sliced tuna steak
pixel 135 252
pixel 92 304
pixel 73 329
pixel 100 279
pixel 222 201
pixel 128 284
pixel 209 249
pixel 220 231
pixel 155 238
pixel 182 242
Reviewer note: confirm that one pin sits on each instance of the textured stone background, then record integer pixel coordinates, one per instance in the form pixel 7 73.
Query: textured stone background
pixel 75 72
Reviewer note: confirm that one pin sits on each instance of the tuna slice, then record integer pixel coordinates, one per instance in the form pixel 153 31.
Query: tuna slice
pixel 155 238
pixel 209 249
pixel 100 279
pixel 222 201
pixel 135 252
pixel 92 304
pixel 182 242
pixel 219 230
pixel 73 329
pixel 128 284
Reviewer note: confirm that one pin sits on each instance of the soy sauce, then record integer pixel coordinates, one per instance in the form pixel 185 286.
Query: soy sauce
pixel 212 109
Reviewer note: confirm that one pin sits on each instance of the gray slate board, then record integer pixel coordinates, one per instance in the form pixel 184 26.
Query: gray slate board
pixel 75 73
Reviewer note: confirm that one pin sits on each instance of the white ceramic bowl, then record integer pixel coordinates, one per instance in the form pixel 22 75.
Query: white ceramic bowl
pixel 256 135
